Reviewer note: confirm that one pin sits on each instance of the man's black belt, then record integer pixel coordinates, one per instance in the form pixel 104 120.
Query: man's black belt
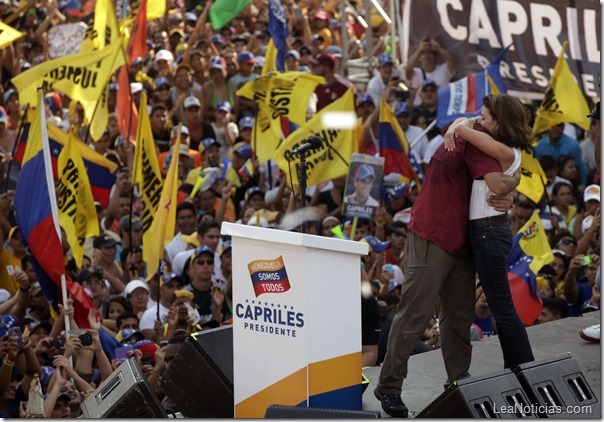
pixel 489 221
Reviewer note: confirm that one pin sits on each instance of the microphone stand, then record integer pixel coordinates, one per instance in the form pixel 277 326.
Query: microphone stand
pixel 302 182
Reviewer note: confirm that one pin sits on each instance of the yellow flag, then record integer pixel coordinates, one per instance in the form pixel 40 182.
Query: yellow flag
pixel 146 173
pixel 82 76
pixel 323 163
pixel 270 58
pixel 492 84
pixel 77 213
pixel 287 94
pixel 8 35
pixel 533 179
pixel 103 28
pixel 165 217
pixel 266 134
pixel 156 9
pixel 534 243
pixel 564 101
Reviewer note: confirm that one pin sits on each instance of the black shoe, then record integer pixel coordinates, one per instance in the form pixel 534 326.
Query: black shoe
pixel 392 404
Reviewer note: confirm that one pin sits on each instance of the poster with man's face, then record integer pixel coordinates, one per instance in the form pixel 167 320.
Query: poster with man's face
pixel 363 186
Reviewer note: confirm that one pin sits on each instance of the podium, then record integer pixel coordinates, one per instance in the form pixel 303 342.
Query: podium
pixel 296 320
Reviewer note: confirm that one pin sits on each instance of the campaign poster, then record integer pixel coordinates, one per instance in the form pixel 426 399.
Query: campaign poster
pixel 363 186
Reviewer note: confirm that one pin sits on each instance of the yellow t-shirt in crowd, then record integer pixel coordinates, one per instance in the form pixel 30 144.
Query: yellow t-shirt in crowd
pixel 8 261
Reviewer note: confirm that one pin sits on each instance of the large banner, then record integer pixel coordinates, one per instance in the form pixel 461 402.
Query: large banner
pixel 475 31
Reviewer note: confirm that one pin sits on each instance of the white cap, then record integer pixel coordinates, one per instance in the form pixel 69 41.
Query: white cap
pixel 591 192
pixel 191 102
pixel 263 222
pixel 136 87
pixel 164 55
pixel 135 284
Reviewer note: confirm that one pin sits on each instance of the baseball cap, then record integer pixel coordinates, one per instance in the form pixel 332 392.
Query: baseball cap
pixel 103 241
pixel 47 372
pixel 304 48
pixel 251 191
pixel 34 325
pixel 334 50
pixel 137 61
pixel 429 82
pixel 324 16
pixel 292 53
pixel 224 106
pixel 114 87
pixel 400 108
pixel 200 250
pixel 136 87
pixel 60 396
pixel 217 39
pixel 191 101
pixel 244 150
pixel 592 192
pixel 86 274
pixel 384 59
pixel 184 293
pixel 403 216
pixel 126 222
pixel 217 63
pixel 168 277
pixel 8 94
pixel 375 243
pixel 246 123
pixel 129 335
pixel 260 60
pixel 397 280
pixel 207 143
pixel 135 284
pixel 190 16
pixel 399 191
pixel 6 322
pixel 364 171
pixel 364 98
pixel 183 130
pixel 303 68
pixel 226 245
pixel 325 59
pixel 164 55
pixel 161 81
pixel 245 57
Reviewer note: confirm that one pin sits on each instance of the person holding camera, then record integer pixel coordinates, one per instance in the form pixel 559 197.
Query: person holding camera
pixel 381 81
pixel 423 64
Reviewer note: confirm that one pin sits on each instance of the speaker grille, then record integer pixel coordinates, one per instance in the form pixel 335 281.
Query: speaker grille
pixel 217 344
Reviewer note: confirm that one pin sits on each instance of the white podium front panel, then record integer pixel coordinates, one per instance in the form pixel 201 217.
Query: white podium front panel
pixel 296 320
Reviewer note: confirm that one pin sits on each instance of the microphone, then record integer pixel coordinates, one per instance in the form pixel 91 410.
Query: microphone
pixel 311 143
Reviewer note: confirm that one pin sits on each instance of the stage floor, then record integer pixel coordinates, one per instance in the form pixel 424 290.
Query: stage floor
pixel 427 372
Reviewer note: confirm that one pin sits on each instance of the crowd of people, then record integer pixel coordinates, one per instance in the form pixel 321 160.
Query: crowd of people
pixel 191 74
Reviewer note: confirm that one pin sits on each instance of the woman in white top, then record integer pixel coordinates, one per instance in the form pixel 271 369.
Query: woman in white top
pixel 503 119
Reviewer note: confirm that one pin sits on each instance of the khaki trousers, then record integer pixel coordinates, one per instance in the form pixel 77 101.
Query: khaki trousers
pixel 431 275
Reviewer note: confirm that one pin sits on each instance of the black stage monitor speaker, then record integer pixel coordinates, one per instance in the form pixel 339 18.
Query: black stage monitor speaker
pixel 278 411
pixel 199 379
pixel 558 388
pixel 496 395
pixel 125 394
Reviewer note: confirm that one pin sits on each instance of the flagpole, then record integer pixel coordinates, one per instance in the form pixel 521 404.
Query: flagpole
pixel 426 130
pixel 51 193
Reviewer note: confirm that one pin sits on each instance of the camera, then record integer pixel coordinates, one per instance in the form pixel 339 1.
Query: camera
pixel 15 333
pixel 586 261
pixel 147 360
pixel 56 343
pixel 85 339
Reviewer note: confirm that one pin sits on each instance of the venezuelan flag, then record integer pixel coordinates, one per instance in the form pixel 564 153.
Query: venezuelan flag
pixel 101 171
pixel 36 211
pixel 398 157
pixel 530 251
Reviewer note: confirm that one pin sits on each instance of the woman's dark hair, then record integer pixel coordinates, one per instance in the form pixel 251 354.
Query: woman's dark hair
pixel 558 185
pixel 504 108
pixel 122 301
